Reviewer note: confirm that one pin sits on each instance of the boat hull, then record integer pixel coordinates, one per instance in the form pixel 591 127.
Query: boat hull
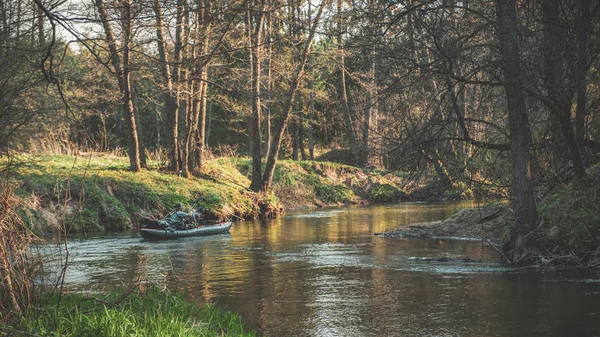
pixel 168 234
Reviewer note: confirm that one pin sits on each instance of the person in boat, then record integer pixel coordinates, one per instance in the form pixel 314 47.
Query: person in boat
pixel 177 216
pixel 179 219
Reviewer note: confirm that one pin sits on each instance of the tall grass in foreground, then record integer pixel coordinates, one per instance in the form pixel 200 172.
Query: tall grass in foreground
pixel 155 313
pixel 18 265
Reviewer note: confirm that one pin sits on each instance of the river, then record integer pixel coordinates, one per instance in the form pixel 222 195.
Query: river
pixel 324 273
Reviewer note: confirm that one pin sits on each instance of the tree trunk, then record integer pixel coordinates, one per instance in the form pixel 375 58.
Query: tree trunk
pixel 342 90
pixel 138 122
pixel 268 86
pixel 274 153
pixel 123 75
pixel 583 30
pixel 524 201
pixel 311 87
pixel 128 107
pixel 201 125
pixel 169 92
pixel 255 29
pixel 559 95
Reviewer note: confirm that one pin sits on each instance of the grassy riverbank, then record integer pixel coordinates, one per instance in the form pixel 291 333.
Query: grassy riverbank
pixel 92 193
pixel 154 313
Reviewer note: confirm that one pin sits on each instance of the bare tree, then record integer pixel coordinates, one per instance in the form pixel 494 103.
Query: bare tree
pixel 524 201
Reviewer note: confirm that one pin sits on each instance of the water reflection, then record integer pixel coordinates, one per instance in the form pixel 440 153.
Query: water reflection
pixel 325 274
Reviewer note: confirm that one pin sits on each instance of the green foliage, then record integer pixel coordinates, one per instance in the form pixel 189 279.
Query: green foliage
pixel 385 193
pixel 210 200
pixel 155 313
pixel 572 217
pixel 334 194
pixel 285 177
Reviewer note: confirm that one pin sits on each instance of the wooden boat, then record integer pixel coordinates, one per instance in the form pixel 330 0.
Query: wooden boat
pixel 169 233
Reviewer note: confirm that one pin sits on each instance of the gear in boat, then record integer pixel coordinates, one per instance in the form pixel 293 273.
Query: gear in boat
pixel 177 219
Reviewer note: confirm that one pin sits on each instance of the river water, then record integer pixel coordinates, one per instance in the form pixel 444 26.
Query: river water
pixel 324 273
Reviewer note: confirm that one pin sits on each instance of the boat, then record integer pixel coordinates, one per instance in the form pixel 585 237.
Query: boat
pixel 170 233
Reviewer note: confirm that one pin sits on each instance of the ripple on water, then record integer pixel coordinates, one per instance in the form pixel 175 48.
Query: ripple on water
pixel 324 214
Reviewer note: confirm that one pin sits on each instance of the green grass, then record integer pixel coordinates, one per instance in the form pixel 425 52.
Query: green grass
pixel 333 183
pixel 155 313
pixel 385 193
pixel 99 192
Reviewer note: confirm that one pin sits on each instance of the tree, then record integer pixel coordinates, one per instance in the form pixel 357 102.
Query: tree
pixel 122 70
pixel 520 134
pixel 287 110
pixel 255 22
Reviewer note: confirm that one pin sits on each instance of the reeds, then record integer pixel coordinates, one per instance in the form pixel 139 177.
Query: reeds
pixel 18 265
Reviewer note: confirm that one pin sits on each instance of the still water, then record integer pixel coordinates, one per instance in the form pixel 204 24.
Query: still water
pixel 324 273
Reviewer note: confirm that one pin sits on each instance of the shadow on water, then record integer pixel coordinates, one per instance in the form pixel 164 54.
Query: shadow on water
pixel 323 273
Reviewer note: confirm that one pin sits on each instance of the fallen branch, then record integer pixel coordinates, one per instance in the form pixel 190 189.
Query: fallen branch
pixel 497 249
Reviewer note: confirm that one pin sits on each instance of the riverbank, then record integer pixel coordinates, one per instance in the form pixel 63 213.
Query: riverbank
pixel 148 313
pixel 481 223
pixel 568 233
pixel 97 192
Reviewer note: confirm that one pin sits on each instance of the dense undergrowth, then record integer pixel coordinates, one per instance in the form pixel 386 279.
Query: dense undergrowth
pixel 152 313
pixel 569 231
pixel 571 220
pixel 99 192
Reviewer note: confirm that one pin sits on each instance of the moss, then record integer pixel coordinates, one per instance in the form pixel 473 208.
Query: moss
pixel 385 193
pixel 334 194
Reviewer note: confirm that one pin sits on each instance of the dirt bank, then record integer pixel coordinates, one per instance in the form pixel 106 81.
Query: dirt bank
pixel 474 223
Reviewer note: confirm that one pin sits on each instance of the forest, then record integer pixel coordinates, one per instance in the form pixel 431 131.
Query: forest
pixel 491 98
pixel 247 107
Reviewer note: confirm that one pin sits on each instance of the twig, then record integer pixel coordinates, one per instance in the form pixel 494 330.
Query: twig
pixel 497 249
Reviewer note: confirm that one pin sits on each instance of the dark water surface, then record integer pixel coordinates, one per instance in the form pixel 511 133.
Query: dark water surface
pixel 323 273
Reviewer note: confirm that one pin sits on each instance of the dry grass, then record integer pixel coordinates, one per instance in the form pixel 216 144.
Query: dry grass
pixel 18 265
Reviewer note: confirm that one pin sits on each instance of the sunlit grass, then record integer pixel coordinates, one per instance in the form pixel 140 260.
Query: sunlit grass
pixel 156 313
pixel 96 192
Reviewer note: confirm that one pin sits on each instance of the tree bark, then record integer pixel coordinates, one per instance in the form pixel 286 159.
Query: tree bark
pixel 583 30
pixel 197 83
pixel 201 125
pixel 342 90
pixel 123 75
pixel 311 88
pixel 559 95
pixel 524 201
pixel 255 29
pixel 128 107
pixel 268 86
pixel 169 92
